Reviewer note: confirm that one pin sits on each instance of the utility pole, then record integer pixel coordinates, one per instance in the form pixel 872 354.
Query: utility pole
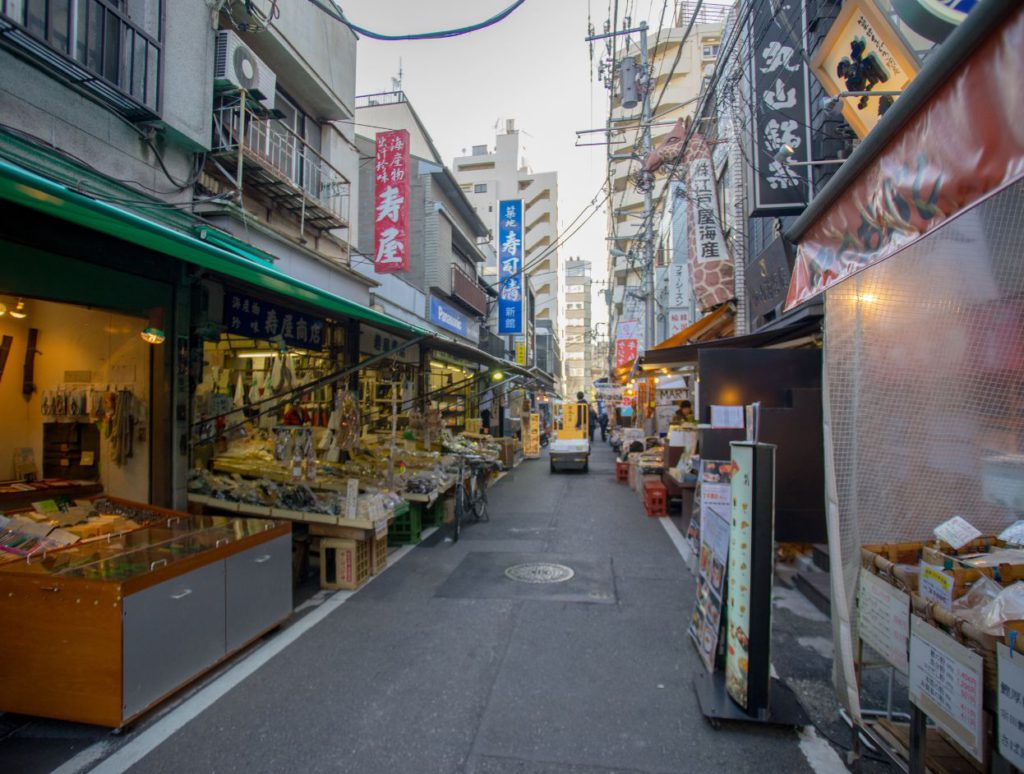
pixel 645 122
pixel 630 80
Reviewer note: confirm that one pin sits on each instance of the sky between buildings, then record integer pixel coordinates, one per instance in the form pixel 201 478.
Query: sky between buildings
pixel 534 67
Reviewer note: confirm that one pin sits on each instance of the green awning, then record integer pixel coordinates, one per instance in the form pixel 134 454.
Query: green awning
pixel 28 189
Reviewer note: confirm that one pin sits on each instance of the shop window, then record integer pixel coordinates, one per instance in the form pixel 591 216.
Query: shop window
pixel 87 415
pixel 121 41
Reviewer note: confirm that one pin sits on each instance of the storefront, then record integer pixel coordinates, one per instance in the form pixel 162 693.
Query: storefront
pixel 923 378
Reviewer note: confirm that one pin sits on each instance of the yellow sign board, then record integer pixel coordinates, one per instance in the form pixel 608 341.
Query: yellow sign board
pixel 531 436
pixel 521 353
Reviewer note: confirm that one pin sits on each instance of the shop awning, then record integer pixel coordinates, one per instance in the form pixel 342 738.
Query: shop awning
pixel 474 354
pixel 28 189
pixel 806 326
pixel 707 326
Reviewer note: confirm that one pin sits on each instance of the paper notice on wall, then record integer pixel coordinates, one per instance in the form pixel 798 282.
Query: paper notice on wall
pixel 946 683
pixel 883 619
pixel 352 498
pixel 935 585
pixel 957 532
pixel 727 417
pixel 1010 705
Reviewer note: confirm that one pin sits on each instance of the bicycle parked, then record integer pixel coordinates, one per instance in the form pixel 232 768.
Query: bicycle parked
pixel 471 502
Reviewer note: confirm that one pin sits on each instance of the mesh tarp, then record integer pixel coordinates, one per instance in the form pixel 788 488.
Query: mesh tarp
pixel 924 364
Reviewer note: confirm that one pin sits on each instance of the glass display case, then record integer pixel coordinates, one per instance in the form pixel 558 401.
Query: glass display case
pixel 101 631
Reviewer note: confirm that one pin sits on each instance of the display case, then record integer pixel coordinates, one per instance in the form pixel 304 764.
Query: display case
pixel 102 631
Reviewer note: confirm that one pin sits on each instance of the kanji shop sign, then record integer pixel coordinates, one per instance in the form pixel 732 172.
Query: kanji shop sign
pixel 780 108
pixel 939 164
pixel 711 268
pixel 862 52
pixel 625 352
pixel 510 266
pixel 391 209
pixel 255 318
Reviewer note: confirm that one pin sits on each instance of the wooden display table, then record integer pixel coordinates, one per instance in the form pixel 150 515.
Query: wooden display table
pixel 44 490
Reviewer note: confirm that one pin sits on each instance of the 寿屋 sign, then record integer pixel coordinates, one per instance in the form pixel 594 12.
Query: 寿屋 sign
pixel 391 202
pixel 245 315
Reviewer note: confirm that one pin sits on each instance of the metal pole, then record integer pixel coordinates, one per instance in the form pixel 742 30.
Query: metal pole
pixel 649 336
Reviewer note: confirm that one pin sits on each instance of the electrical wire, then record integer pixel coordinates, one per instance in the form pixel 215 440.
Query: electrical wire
pixel 335 12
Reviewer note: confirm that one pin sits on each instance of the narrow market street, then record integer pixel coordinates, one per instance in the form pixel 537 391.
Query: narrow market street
pixel 442 664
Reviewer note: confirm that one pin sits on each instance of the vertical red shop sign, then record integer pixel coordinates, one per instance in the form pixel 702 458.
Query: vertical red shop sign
pixel 391 208
pixel 625 352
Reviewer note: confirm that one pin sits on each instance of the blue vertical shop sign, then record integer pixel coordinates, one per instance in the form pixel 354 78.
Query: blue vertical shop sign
pixel 510 266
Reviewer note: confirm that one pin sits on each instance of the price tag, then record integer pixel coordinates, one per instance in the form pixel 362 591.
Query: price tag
pixel 957 532
pixel 352 498
pixel 1014 533
pixel 936 586
pixel 946 683
pixel 380 527
pixel 884 619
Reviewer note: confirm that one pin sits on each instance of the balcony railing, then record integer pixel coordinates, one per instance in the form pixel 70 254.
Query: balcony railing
pixel 466 289
pixel 380 98
pixel 95 45
pixel 268 156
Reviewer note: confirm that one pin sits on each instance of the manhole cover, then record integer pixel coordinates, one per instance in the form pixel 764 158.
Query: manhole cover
pixel 539 572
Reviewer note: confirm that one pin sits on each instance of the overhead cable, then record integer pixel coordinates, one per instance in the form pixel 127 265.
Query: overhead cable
pixel 335 12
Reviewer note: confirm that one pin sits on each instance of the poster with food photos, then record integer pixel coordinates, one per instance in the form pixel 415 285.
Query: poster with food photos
pixel 706 622
pixel 737 641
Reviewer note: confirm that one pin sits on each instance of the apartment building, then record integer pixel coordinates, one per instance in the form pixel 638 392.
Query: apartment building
pixel 579 344
pixel 488 175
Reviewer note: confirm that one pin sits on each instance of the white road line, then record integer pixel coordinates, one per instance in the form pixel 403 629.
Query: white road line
pixel 820 755
pixel 677 539
pixel 147 741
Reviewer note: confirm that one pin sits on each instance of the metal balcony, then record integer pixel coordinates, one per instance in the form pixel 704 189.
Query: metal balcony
pixel 263 154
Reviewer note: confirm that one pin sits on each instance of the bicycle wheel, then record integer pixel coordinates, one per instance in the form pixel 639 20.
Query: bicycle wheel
pixel 480 504
pixel 461 502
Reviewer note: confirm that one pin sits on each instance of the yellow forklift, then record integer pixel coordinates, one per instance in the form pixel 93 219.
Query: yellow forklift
pixel 570 446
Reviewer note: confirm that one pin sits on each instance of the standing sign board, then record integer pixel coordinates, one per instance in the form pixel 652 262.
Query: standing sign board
pixel 714 549
pixel 391 208
pixel 883 618
pixel 946 683
pixel 781 108
pixel 751 565
pixel 1010 705
pixel 510 266
pixel 531 436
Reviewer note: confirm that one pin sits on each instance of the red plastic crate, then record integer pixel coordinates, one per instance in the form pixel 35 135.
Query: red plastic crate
pixel 656 499
pixel 622 472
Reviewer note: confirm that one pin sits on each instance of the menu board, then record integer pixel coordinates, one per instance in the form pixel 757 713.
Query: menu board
pixel 715 517
pixel 1010 703
pixel 946 683
pixel 737 643
pixel 883 619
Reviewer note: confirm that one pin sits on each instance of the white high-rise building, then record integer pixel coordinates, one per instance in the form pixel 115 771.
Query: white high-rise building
pixel 488 175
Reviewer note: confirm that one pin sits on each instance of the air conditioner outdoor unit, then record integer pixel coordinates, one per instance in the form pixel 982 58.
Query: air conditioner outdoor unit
pixel 235 66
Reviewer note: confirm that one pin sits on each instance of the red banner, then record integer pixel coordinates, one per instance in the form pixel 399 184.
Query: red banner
pixel 967 143
pixel 391 209
pixel 625 352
